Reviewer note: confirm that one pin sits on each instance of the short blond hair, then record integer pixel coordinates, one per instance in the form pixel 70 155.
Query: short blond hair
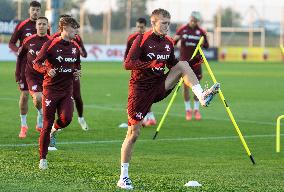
pixel 158 12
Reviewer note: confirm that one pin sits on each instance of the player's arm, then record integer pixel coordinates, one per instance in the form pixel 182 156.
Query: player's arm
pixel 14 39
pixel 77 67
pixel 128 46
pixel 82 48
pixel 176 38
pixel 205 42
pixel 38 63
pixel 22 53
pixel 132 61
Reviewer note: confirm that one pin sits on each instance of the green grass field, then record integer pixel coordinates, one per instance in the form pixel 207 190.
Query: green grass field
pixel 208 151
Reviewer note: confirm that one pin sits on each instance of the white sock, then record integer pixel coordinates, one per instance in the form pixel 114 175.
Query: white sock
pixel 124 170
pixel 196 105
pixel 187 105
pixel 39 118
pixel 80 118
pixel 151 115
pixel 23 120
pixel 197 90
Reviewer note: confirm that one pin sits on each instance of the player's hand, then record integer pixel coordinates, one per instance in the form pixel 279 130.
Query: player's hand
pixel 77 73
pixel 51 73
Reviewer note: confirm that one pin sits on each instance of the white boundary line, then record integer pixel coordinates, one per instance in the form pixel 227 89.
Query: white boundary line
pixel 142 140
pixel 122 109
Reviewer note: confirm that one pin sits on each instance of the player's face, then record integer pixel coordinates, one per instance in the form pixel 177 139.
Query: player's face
pixel 140 27
pixel 41 26
pixel 193 22
pixel 34 12
pixel 161 25
pixel 70 31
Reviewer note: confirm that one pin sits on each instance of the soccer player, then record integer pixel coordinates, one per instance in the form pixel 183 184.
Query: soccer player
pixel 76 84
pixel 30 48
pixel 62 62
pixel 189 36
pixel 141 24
pixel 24 29
pixel 148 56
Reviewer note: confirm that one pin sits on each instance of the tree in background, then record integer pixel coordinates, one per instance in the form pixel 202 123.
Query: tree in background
pixel 229 17
pixel 7 10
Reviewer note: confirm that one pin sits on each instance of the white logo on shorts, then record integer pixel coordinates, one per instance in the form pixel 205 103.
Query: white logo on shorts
pixel 22 85
pixel 34 87
pixel 74 51
pixel 47 102
pixel 139 115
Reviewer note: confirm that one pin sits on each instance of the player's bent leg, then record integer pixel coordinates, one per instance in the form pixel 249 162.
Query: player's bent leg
pixel 132 135
pixel 23 105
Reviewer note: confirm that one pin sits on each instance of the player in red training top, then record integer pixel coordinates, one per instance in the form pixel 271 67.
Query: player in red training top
pixel 76 84
pixel 62 62
pixel 147 59
pixel 189 35
pixel 141 24
pixel 24 29
pixel 30 48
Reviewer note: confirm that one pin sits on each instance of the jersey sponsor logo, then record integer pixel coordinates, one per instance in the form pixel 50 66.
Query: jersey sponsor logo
pixel 28 34
pixel 163 57
pixel 151 55
pixel 66 59
pixel 139 115
pixel 47 102
pixel 73 51
pixel 190 44
pixel 167 47
pixel 61 69
pixel 193 37
pixel 59 58
pixel 34 87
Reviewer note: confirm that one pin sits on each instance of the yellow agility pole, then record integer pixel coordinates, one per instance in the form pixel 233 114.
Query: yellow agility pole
pixel 175 92
pixel 278 133
pixel 226 106
pixel 282 48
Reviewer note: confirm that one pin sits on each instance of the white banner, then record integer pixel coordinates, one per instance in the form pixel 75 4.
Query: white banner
pixel 95 53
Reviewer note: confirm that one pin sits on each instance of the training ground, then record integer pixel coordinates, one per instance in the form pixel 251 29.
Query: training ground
pixel 208 151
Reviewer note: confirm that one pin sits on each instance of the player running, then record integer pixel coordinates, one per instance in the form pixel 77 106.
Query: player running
pixel 76 84
pixel 189 36
pixel 147 59
pixel 24 29
pixel 62 62
pixel 30 48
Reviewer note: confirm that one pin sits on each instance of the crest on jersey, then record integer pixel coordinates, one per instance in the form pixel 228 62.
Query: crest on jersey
pixel 74 51
pixel 197 32
pixel 139 115
pixel 167 47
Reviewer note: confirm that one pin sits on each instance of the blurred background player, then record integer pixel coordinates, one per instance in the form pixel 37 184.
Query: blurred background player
pixel 189 35
pixel 24 29
pixel 30 48
pixel 62 62
pixel 141 25
pixel 76 84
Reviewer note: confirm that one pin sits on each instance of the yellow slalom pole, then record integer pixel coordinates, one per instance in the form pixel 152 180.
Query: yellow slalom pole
pixel 226 106
pixel 175 92
pixel 282 48
pixel 278 133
